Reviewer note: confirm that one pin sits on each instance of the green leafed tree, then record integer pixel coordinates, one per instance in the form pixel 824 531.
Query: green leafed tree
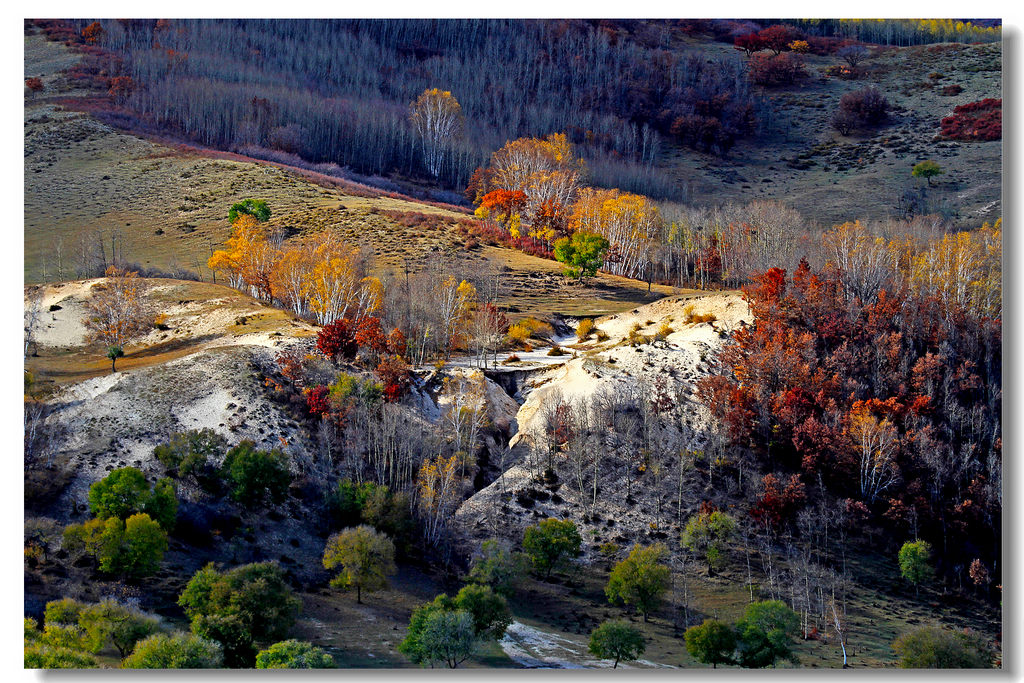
pixel 641 579
pixel 616 640
pixel 706 533
pixel 109 623
pixel 447 637
pixel 294 654
pixel 927 170
pixel 243 609
pixel 257 208
pixel 57 646
pixel 193 454
pixel 365 556
pixel 765 634
pixel 934 647
pixel 175 651
pixel 256 477
pixel 711 643
pixel 551 544
pixel 582 253
pixel 125 492
pixel 132 548
pixel 914 567
pixel 498 567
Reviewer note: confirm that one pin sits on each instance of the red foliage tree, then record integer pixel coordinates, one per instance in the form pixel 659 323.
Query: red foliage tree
pixel 369 335
pixel 777 38
pixel 121 87
pixel 395 375
pixel 338 340
pixel 749 43
pixel 93 33
pixel 397 345
pixel 778 504
pixel 34 84
pixel 318 401
pixel 777 69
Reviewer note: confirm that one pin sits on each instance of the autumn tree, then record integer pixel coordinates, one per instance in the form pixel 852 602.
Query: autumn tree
pixel 34 85
pixel 437 118
pixel 365 556
pixel 583 254
pixel 616 640
pixel 551 544
pixel 631 223
pixel 641 579
pixel 117 312
pixel 547 171
pixel 712 642
pixel 440 489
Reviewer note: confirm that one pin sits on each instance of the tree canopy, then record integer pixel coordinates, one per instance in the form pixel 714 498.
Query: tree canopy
pixel 641 579
pixel 242 608
pixel 616 640
pixel 365 556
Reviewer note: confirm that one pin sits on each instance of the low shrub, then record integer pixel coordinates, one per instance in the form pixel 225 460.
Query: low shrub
pixel 976 121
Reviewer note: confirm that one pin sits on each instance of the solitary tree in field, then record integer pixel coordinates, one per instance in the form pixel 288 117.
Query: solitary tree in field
pixel 914 565
pixel 366 558
pixel 437 118
pixel 117 312
pixel 641 579
pixel 927 170
pixel 616 640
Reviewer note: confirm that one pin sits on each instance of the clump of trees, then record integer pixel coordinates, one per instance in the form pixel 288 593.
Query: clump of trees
pixel 450 630
pixel 242 609
pixel 256 478
pixel 760 638
pixel 848 371
pixel 128 535
pixel 293 654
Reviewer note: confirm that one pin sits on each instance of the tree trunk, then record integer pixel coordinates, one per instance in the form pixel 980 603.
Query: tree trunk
pixel 359 594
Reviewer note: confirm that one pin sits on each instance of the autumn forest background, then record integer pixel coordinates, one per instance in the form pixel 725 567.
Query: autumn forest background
pixel 513 343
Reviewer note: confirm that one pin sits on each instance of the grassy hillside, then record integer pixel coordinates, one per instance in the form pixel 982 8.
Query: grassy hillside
pixel 801 161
